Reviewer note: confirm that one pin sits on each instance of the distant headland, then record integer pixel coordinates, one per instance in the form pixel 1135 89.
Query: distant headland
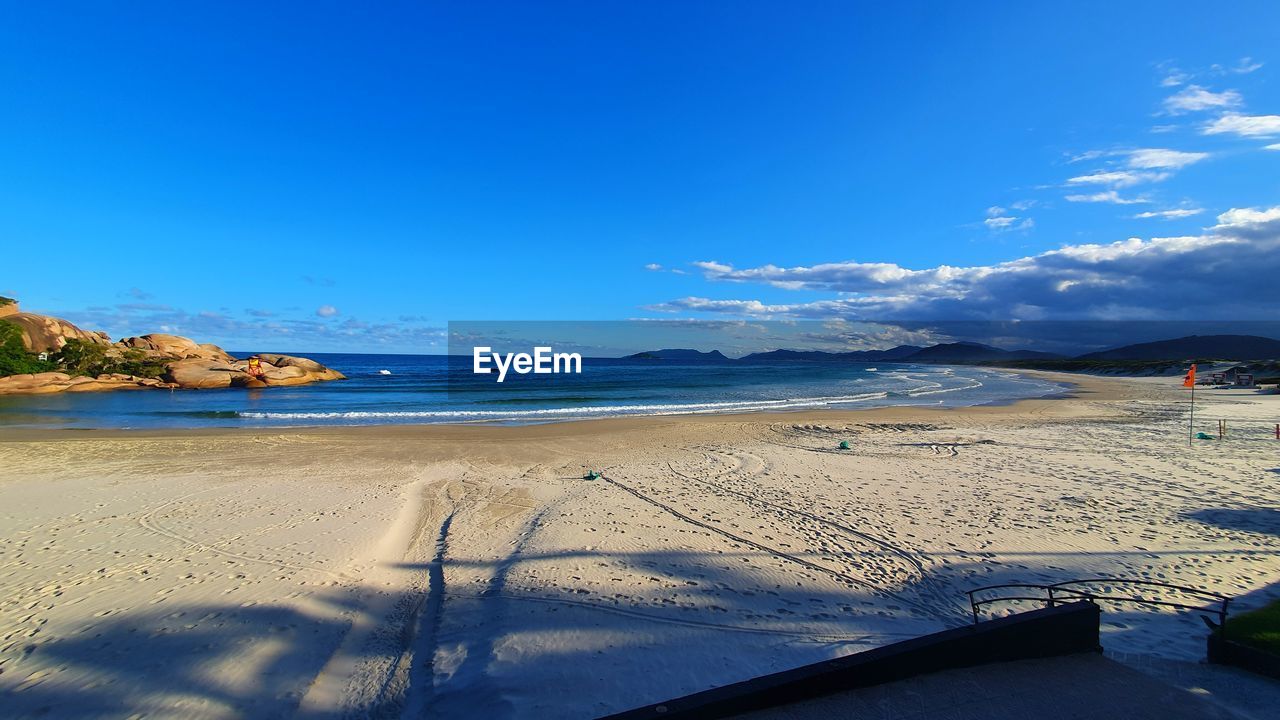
pixel 1152 358
pixel 43 354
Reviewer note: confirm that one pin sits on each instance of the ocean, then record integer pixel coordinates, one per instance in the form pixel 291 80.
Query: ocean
pixel 420 389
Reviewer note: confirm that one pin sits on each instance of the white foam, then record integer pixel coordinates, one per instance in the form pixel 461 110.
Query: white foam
pixel 662 409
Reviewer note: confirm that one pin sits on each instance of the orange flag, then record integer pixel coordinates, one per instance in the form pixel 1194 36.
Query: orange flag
pixel 1190 379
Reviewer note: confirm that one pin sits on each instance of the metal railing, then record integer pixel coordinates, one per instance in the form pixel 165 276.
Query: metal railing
pixel 1072 590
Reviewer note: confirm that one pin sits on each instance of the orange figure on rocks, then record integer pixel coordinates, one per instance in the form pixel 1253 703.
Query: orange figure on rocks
pixel 255 368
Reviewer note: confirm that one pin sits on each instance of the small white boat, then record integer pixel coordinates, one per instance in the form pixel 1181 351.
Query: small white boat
pixel 384 372
pixel 872 369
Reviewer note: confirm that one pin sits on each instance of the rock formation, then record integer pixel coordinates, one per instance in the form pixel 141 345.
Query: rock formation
pixel 42 333
pixel 174 346
pixel 188 364
pixel 55 382
pixel 312 368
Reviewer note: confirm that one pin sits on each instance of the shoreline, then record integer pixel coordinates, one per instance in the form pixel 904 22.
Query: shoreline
pixel 1073 387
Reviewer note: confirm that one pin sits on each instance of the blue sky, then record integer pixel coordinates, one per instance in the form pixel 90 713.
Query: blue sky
pixel 340 177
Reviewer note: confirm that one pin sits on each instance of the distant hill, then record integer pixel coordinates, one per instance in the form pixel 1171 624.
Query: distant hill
pixel 1192 347
pixel 896 353
pixel 961 352
pixel 681 355
pixel 971 352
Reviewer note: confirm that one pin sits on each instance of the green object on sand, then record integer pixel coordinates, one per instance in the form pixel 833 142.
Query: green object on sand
pixel 591 475
pixel 1203 436
pixel 844 444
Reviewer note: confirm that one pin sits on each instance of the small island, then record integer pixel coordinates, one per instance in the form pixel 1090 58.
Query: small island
pixel 43 354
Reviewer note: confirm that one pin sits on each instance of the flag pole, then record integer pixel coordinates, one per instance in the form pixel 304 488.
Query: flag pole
pixel 1190 381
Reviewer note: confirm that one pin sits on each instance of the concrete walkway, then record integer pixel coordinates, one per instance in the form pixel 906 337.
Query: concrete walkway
pixel 1081 686
pixel 1248 696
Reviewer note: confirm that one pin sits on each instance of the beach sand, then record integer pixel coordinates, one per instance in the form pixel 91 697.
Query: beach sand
pixel 472 572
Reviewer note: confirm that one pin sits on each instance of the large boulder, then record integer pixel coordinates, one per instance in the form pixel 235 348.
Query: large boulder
pixel 162 345
pixel 313 369
pixel 210 350
pixel 284 375
pixel 275 376
pixel 201 373
pixel 56 382
pixel 103 383
pixel 46 382
pixel 8 306
pixel 277 371
pixel 43 333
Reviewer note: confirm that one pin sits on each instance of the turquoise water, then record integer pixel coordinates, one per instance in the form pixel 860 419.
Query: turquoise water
pixel 420 389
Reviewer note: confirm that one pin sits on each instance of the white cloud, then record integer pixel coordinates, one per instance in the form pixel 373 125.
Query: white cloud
pixel 1008 222
pixel 1169 214
pixel 1143 165
pixel 1173 75
pixel 1246 66
pixel 1108 196
pixel 1249 221
pixel 711 266
pixel 1230 268
pixel 1118 178
pixel 1244 125
pixel 1155 158
pixel 1272 146
pixel 653 267
pixel 1194 98
pixel 1004 223
pixel 1088 155
pixel 326 311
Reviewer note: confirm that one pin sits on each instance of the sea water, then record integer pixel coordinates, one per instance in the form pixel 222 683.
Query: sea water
pixel 432 389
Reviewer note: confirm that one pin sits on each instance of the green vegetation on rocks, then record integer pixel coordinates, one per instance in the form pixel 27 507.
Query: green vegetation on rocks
pixel 15 359
pixel 78 357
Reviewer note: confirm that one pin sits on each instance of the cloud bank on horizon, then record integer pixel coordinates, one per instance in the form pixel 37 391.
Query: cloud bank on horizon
pixel 1232 266
pixel 1227 271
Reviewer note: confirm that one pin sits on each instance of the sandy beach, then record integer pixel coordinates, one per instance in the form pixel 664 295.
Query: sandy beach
pixel 472 571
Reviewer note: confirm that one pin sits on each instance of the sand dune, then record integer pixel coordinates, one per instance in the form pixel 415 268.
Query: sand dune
pixel 472 572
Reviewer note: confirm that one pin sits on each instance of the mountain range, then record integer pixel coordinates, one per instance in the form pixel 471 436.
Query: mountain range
pixel 1192 347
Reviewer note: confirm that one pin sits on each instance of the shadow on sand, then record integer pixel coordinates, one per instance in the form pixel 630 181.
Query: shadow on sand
pixel 584 654
pixel 1254 520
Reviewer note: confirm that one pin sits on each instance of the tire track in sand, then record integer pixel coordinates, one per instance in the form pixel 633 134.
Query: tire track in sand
pixel 776 553
pixel 929 586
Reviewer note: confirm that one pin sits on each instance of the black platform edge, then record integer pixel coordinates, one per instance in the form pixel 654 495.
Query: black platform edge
pixel 1229 652
pixel 1062 630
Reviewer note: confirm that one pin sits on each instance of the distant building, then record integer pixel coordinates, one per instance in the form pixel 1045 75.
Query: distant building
pixel 1238 376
